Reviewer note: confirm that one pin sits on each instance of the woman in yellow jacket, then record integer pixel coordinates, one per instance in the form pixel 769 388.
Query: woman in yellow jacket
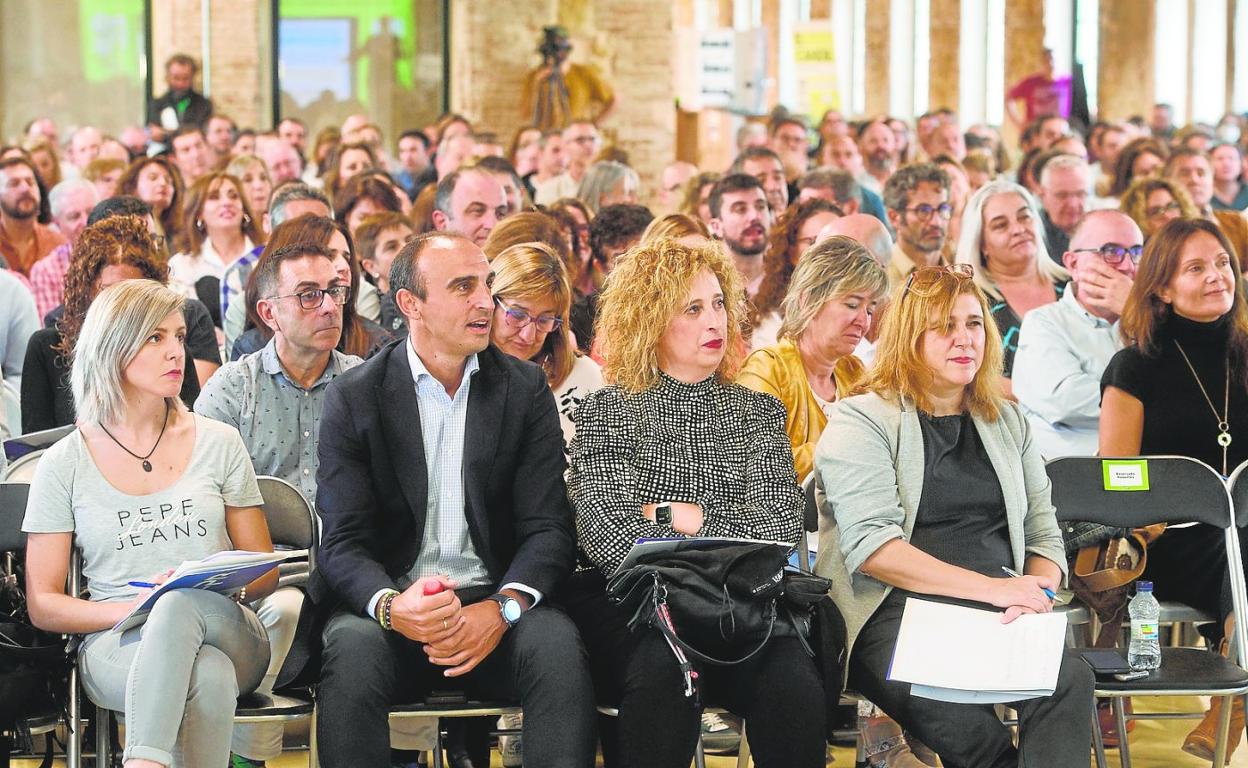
pixel 826 312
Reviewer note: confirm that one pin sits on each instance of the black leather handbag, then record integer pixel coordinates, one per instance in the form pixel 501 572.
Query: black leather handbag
pixel 718 606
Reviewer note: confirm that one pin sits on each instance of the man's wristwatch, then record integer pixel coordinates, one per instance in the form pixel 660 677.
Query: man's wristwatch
pixel 663 513
pixel 508 607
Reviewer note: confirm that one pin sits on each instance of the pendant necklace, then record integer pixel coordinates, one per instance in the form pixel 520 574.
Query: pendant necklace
pixel 1224 427
pixel 147 465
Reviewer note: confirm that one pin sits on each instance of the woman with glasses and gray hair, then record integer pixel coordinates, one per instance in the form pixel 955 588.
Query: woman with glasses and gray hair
pixel 141 486
pixel 1002 239
pixel 827 310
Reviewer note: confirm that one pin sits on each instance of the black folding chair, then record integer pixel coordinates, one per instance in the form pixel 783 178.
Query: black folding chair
pixel 1178 490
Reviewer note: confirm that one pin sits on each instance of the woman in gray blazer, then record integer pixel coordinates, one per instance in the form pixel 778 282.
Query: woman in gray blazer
pixel 932 486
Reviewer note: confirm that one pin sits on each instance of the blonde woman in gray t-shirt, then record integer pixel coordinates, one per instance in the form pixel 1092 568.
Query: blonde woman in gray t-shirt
pixel 141 486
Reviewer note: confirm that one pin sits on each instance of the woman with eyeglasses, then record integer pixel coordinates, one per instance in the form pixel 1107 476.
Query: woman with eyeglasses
pixel 827 310
pixel 795 230
pixel 933 488
pixel 1153 201
pixel 1002 241
pixel 1180 388
pixel 532 298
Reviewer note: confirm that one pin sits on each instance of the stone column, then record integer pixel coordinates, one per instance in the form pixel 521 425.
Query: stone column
pixel 878 15
pixel 946 18
pixel 1125 77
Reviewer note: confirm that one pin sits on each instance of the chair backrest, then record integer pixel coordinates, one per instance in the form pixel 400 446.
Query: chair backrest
pixel 12 510
pixel 810 517
pixel 19 446
pixel 1171 489
pixel 292 524
pixel 1238 483
pixel 23 470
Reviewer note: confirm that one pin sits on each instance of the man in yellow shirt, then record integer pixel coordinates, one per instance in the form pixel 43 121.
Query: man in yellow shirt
pixel 560 92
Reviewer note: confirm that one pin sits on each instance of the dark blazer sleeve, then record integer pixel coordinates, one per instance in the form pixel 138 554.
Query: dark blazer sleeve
pixel 346 503
pixel 545 549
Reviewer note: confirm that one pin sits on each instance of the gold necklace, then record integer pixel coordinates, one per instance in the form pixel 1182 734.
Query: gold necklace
pixel 1224 428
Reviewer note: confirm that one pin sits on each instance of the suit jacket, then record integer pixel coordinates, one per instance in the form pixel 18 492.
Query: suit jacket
pixel 372 484
pixel 869 467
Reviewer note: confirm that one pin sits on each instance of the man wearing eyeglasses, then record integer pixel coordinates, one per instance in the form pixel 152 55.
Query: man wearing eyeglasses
pixel 273 398
pixel 1063 347
pixel 1064 184
pixel 917 198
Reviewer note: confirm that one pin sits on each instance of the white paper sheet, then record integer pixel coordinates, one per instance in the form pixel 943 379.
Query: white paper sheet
pixel 952 653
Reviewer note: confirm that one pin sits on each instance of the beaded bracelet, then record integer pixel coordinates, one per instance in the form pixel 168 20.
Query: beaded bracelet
pixel 241 597
pixel 384 619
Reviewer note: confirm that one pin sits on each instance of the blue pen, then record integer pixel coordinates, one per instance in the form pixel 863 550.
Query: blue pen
pixel 1052 595
pixel 143 584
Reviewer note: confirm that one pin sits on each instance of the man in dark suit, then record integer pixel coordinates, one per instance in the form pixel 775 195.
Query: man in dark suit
pixel 441 466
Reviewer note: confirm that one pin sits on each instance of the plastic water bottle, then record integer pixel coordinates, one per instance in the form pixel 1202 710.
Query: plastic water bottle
pixel 1144 653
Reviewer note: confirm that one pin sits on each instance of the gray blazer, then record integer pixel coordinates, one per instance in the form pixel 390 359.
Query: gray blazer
pixel 869 470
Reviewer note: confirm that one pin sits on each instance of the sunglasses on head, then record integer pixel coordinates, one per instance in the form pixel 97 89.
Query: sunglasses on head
pixel 924 279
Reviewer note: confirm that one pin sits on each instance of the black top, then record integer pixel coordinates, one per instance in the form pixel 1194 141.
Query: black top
pixel 1055 240
pixel 1009 324
pixel 961 515
pixel 192 108
pixel 47 401
pixel 1177 418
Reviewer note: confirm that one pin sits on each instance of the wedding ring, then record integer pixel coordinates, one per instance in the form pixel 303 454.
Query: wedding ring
pixel 444 625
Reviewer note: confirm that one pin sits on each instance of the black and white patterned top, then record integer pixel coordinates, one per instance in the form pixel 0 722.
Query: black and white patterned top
pixel 721 446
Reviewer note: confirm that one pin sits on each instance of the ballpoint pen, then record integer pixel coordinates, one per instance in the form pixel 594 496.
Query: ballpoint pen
pixel 1052 595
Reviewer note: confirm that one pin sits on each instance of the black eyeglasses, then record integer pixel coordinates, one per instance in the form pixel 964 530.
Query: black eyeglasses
pixel 518 318
pixel 313 298
pixel 923 279
pixel 1161 210
pixel 925 211
pixel 1113 253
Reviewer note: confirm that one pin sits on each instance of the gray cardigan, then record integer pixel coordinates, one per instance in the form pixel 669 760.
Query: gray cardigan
pixel 869 470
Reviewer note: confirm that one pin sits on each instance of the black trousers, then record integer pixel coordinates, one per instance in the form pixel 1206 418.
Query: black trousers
pixel 1054 731
pixel 1188 565
pixel 540 661
pixel 778 692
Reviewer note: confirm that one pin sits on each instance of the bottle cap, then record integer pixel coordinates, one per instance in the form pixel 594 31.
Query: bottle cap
pixel 434 587
pixel 1143 586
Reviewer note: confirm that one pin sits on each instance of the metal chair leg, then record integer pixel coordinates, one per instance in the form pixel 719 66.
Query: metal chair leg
pixel 314 759
pixel 743 750
pixel 699 755
pixel 103 745
pixel 1098 742
pixel 1120 717
pixel 1224 728
pixel 73 726
pixel 437 745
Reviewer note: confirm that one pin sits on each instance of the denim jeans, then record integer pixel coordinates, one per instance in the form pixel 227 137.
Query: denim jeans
pixel 178 675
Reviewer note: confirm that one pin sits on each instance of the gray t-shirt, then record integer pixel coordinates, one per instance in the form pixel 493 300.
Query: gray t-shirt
pixel 123 537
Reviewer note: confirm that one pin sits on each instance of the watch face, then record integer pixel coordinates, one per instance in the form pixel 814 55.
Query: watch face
pixel 511 610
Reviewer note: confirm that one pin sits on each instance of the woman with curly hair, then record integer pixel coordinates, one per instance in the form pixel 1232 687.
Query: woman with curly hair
pixel 157 182
pixel 794 231
pixel 1141 157
pixel 1153 201
pixel 672 433
pixel 585 278
pixel 107 252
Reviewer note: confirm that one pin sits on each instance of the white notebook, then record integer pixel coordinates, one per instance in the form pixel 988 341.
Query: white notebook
pixel 951 653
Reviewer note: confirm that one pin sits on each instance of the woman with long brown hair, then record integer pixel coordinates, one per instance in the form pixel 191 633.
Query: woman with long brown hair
pixel 1181 388
pixel 157 182
pixel 1139 158
pixel 218 228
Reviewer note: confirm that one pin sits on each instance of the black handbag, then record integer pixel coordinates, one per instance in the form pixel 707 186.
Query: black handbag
pixel 718 606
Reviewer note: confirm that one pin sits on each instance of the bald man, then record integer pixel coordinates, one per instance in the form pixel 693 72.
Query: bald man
pixel 1064 347
pixel 864 228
